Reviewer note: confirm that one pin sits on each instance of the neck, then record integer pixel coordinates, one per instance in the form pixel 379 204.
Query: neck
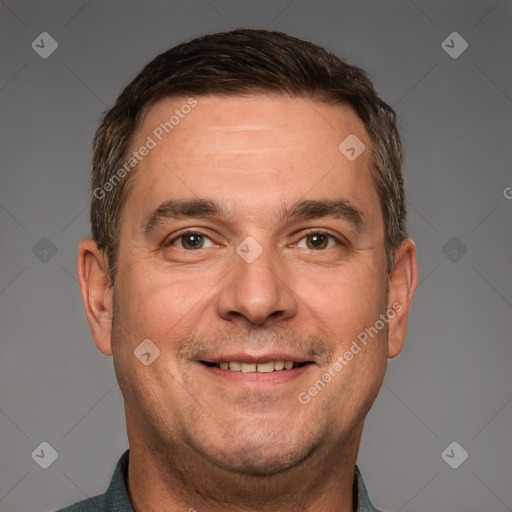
pixel 179 479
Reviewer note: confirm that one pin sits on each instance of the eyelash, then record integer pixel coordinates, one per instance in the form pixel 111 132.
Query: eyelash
pixel 308 233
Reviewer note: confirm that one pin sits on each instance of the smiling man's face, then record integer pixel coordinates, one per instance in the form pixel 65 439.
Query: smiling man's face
pixel 230 253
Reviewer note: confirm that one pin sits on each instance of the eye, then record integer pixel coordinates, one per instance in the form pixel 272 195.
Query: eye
pixel 318 240
pixel 190 241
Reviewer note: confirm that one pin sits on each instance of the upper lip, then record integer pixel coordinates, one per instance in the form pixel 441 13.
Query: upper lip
pixel 256 358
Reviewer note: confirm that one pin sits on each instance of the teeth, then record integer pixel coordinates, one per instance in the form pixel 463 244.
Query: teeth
pixel 248 368
pixel 268 367
pixel 265 367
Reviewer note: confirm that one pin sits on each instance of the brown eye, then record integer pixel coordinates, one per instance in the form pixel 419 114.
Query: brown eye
pixel 317 241
pixel 190 241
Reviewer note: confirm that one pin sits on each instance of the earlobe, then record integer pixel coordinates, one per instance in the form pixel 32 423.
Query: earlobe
pixel 96 293
pixel 402 285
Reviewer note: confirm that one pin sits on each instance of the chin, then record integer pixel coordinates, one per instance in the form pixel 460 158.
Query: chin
pixel 258 463
pixel 258 454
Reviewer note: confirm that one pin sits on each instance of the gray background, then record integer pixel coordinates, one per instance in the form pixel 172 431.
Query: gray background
pixel 452 381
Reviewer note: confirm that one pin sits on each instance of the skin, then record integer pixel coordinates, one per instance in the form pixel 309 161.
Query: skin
pixel 208 443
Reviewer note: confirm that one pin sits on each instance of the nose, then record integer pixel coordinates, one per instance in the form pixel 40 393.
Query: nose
pixel 257 290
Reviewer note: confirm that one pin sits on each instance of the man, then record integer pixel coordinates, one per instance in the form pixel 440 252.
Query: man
pixel 249 272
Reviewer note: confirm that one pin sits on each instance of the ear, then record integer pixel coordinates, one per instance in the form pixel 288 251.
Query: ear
pixel 402 285
pixel 96 293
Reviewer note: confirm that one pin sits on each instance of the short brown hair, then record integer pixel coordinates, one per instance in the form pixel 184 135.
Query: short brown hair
pixel 242 62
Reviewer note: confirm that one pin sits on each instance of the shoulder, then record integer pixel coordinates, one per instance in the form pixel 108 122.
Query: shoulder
pixel 361 494
pixel 95 504
pixel 116 497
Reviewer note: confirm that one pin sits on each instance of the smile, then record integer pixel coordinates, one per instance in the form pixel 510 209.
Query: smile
pixel 263 367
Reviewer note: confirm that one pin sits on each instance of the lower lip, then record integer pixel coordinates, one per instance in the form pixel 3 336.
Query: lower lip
pixel 257 380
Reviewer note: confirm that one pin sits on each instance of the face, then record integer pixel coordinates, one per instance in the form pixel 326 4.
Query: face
pixel 250 242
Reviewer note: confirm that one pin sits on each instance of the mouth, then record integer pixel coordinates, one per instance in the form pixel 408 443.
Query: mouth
pixel 256 367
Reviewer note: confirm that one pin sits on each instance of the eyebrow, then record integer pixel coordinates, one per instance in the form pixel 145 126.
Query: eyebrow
pixel 302 210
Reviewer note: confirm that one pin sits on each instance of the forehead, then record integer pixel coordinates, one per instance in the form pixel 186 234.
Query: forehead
pixel 245 122
pixel 252 150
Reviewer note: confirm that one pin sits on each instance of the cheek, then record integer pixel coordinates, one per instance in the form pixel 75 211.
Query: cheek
pixel 165 309
pixel 356 375
pixel 346 299
pixel 348 307
pixel 159 311
pixel 157 304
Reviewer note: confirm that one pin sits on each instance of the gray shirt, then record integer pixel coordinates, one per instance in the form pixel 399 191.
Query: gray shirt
pixel 116 497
